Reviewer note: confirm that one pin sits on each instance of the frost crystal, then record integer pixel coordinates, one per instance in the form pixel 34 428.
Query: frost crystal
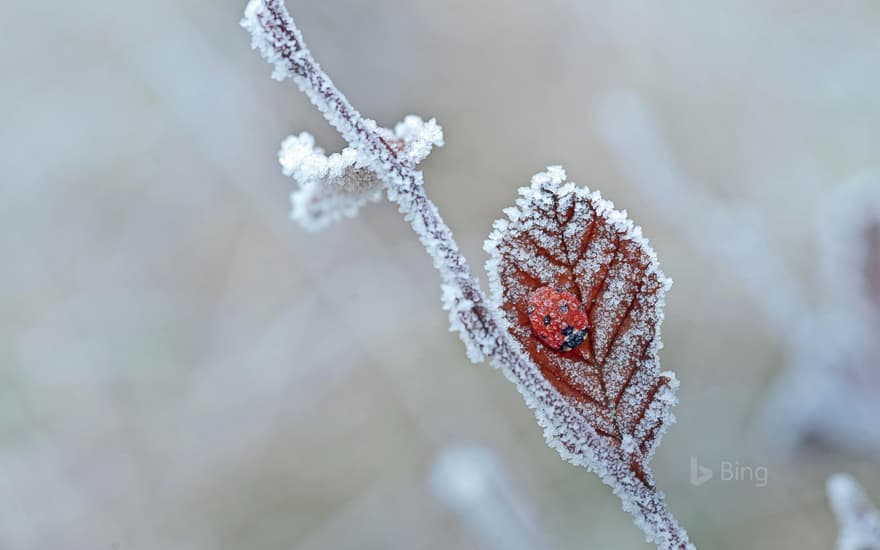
pixel 419 137
pixel 857 518
pixel 264 42
pixel 330 188
pixel 337 186
pixel 604 405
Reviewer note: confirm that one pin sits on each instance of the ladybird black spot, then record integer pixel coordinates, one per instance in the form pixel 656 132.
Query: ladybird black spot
pixel 567 331
pixel 573 339
pixel 546 320
pixel 563 307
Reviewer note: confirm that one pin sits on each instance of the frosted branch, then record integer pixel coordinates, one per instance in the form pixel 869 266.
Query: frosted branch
pixel 280 42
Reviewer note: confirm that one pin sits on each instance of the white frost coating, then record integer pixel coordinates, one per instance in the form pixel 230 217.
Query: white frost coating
pixel 336 187
pixel 264 43
pixel 330 188
pixel 301 159
pixel 659 412
pixel 857 519
pixel 566 428
pixel 419 136
pixel 456 303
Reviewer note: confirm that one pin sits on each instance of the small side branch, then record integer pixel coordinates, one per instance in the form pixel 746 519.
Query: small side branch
pixel 280 41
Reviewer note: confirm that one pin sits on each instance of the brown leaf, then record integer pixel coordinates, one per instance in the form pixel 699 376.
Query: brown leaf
pixel 563 236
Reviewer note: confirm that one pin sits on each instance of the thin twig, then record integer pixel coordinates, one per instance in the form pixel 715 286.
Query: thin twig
pixel 281 43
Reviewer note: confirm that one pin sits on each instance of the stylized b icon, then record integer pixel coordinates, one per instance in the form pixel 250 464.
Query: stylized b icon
pixel 699 474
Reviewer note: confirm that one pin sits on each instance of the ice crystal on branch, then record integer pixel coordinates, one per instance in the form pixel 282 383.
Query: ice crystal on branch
pixel 330 188
pixel 566 237
pixel 857 519
pixel 418 137
pixel 337 186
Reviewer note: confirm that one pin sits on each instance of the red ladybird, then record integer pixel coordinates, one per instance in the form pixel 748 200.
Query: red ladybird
pixel 558 318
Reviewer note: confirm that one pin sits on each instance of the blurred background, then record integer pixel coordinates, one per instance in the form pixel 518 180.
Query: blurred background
pixel 181 367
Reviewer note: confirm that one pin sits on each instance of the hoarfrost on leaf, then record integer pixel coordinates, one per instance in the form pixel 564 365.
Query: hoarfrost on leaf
pixel 604 404
pixel 566 237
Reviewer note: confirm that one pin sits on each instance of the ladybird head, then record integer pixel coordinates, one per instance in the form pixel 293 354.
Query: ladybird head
pixel 558 318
